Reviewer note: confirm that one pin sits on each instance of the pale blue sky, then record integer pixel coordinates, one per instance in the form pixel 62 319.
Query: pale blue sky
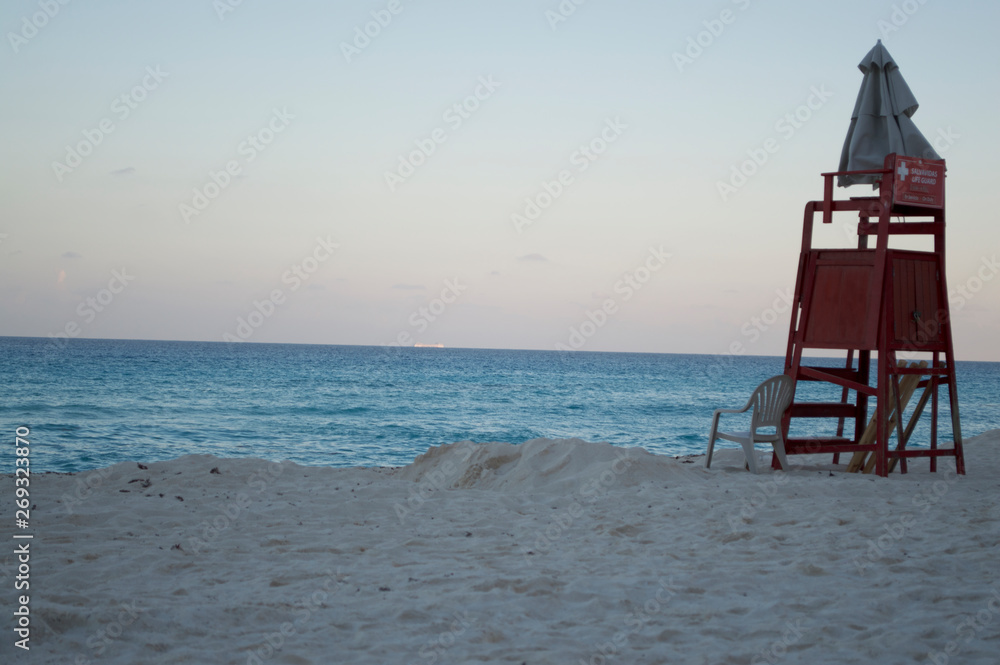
pixel 345 124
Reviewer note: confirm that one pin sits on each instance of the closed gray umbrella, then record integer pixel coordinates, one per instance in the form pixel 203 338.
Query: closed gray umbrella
pixel 881 123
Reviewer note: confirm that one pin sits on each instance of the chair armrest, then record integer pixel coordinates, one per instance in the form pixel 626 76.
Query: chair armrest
pixel 743 410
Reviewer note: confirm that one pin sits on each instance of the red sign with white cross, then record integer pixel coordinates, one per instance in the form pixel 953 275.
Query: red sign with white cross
pixel 918 182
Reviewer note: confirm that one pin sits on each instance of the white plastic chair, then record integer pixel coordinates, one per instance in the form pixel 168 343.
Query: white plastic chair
pixel 769 402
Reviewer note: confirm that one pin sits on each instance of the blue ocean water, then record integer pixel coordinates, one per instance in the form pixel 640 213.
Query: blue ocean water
pixel 91 403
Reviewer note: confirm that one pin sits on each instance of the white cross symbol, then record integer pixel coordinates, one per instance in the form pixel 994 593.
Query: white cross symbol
pixel 902 171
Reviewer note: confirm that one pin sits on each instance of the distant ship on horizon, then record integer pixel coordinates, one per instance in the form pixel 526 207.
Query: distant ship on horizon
pixel 428 346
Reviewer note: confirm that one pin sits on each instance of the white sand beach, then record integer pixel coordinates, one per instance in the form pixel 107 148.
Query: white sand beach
pixel 552 551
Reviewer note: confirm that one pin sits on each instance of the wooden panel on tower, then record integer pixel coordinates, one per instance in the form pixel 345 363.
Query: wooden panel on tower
pixel 917 312
pixel 838 306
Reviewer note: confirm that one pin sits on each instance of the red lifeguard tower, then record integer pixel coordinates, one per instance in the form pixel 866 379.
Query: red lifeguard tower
pixel 881 300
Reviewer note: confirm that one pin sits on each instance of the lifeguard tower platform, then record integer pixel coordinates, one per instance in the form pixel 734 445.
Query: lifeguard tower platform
pixel 892 303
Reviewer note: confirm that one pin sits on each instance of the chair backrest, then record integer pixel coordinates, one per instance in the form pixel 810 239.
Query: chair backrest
pixel 770 401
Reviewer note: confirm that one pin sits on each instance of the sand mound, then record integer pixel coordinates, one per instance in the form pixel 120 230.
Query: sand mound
pixel 543 465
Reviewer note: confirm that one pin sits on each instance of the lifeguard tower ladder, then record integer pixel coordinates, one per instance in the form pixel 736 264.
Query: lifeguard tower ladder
pixel 890 301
